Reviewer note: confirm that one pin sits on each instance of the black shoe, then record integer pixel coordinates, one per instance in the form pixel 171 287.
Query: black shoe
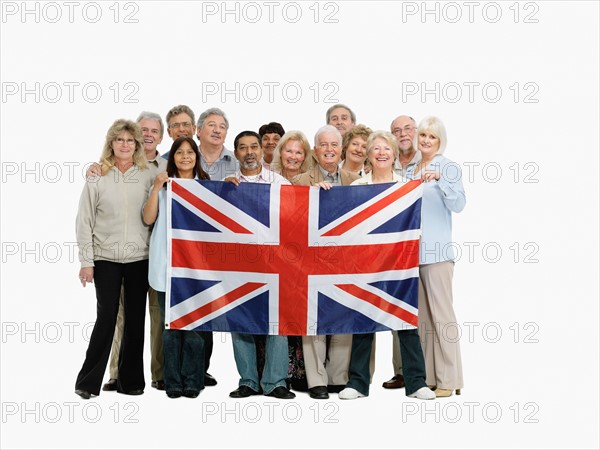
pixel 335 388
pixel 83 394
pixel 209 380
pixel 282 393
pixel 160 385
pixel 173 394
pixel 243 392
pixel 318 392
pixel 111 385
pixel 133 392
pixel 189 393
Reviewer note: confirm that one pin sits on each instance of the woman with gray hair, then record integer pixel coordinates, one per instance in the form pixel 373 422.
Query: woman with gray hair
pixel 113 251
pixel 443 194
pixel 382 152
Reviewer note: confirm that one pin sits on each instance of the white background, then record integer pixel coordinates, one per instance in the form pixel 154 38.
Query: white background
pixel 533 385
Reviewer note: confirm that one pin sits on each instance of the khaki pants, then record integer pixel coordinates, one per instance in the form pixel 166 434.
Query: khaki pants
pixel 334 371
pixel 438 327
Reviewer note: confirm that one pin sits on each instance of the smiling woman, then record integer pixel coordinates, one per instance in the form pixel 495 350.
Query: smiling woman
pixel 442 196
pixel 354 149
pixel 113 250
pixel 382 151
pixel 184 351
pixel 291 156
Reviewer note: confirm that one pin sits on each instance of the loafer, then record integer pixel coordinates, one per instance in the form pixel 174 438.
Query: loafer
pixel 439 392
pixel 318 392
pixel 160 385
pixel 350 394
pixel 110 385
pixel 397 382
pixel 423 394
pixel 282 393
pixel 209 380
pixel 83 394
pixel 189 393
pixel 133 392
pixel 243 392
pixel 173 394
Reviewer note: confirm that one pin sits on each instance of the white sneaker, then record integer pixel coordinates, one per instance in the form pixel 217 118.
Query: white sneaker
pixel 422 394
pixel 351 394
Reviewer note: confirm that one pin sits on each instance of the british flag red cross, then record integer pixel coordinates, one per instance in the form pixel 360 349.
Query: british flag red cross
pixel 292 260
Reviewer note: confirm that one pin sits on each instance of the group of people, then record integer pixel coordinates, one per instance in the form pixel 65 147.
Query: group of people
pixel 122 238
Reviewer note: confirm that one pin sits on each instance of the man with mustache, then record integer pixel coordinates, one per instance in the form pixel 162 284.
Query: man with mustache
pixel 218 161
pixel 404 128
pixel 273 382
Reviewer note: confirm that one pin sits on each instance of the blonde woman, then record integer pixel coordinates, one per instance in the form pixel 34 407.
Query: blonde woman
pixel 291 157
pixel 443 194
pixel 113 251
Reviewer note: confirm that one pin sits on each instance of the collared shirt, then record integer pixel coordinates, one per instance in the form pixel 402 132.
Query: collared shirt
pixel 333 179
pixel 361 172
pixel 440 199
pixel 265 164
pixel 225 166
pixel 157 165
pixel 264 177
pixel 402 170
pixel 368 179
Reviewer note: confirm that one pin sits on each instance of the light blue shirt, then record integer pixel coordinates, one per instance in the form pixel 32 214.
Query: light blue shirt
pixel 440 199
pixel 157 264
pixel 226 166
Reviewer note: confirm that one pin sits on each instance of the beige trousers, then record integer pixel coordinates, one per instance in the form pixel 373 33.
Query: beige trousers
pixel 334 371
pixel 396 357
pixel 156 346
pixel 438 327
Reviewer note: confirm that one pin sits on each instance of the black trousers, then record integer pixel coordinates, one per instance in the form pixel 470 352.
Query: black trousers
pixel 108 277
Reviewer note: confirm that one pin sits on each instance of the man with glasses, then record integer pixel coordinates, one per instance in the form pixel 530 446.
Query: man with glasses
pixel 218 161
pixel 333 372
pixel 404 128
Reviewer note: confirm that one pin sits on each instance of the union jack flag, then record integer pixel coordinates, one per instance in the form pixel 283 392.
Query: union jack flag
pixel 292 260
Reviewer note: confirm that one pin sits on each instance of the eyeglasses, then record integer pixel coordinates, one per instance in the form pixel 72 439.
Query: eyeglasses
pixel 123 141
pixel 181 124
pixel 407 129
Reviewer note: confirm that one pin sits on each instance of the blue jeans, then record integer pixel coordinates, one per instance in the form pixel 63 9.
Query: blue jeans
pixel 276 362
pixel 184 357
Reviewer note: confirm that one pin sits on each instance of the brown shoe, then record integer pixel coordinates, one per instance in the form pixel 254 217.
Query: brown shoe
pixel 111 385
pixel 397 382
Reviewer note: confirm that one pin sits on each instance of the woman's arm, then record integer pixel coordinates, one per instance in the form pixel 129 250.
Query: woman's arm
pixel 85 221
pixel 450 183
pixel 150 211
